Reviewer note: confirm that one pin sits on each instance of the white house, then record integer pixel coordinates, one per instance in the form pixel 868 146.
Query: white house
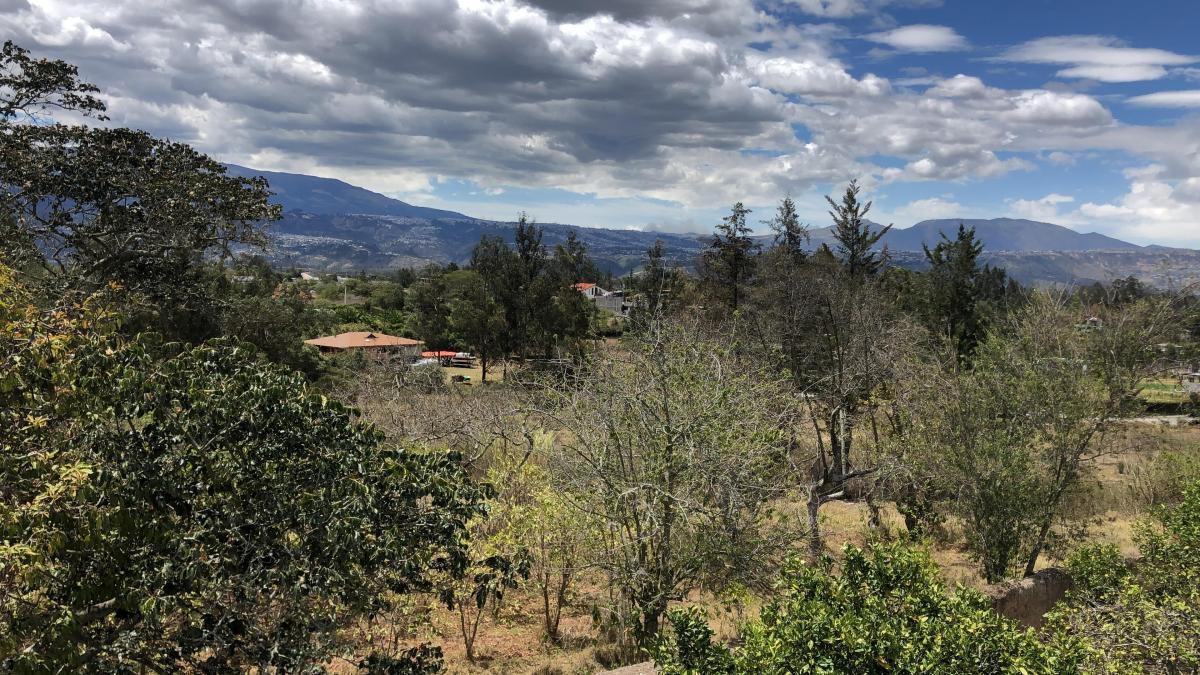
pixel 592 291
pixel 613 302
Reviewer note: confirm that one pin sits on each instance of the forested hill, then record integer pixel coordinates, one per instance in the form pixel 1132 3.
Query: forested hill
pixel 331 225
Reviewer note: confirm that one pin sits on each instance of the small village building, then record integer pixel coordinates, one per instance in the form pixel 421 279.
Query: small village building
pixel 607 300
pixel 309 276
pixel 1191 381
pixel 378 343
pixel 590 290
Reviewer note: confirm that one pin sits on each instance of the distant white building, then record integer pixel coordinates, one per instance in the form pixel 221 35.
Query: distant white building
pixel 308 276
pixel 603 299
pixel 590 290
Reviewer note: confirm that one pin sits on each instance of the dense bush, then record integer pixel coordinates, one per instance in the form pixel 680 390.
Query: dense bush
pixel 1143 618
pixel 204 510
pixel 881 610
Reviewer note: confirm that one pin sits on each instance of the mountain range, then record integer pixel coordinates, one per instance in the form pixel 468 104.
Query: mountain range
pixel 331 225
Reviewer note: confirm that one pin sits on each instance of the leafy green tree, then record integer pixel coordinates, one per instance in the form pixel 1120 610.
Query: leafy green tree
pixel 428 306
pixel 570 317
pixel 533 290
pixel 476 318
pixel 205 511
pixel 501 270
pixel 1012 437
pixel 86 206
pixel 728 263
pixel 571 264
pixel 881 610
pixel 277 324
pixel 855 239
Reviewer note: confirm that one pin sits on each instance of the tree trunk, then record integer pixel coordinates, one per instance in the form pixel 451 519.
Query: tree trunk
pixel 1034 554
pixel 814 526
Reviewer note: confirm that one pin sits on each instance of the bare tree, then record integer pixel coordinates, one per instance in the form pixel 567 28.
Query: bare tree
pixel 840 340
pixel 678 450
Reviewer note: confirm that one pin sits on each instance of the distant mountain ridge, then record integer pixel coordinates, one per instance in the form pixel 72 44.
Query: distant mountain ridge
pixel 997 234
pixel 331 225
pixel 329 196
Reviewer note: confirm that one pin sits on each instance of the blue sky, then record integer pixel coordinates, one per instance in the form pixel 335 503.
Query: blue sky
pixel 662 113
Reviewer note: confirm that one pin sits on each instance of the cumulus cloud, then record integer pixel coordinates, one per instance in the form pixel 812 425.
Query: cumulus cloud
pixel 694 102
pixel 1097 57
pixel 925 209
pixel 1153 210
pixel 1188 98
pixel 920 38
pixel 810 77
pixel 1045 209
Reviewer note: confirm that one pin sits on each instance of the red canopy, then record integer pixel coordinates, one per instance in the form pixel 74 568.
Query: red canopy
pixel 438 355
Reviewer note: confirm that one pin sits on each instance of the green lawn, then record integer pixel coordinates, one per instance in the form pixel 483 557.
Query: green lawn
pixel 1163 390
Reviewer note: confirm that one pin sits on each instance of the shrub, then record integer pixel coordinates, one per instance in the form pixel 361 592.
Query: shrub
pixel 1144 620
pixel 886 610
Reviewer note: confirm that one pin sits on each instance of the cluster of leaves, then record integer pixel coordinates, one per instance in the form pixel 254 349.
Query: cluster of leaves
pixel 881 610
pixel 172 505
pixel 84 206
pixel 1142 617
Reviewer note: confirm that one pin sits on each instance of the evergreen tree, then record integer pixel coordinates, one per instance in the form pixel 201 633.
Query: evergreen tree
pixel 500 269
pixel 429 311
pixel 653 287
pixel 476 318
pixel 854 236
pixel 790 235
pixel 953 305
pixel 728 264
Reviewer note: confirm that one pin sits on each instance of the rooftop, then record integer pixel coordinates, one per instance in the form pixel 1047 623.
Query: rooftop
pixel 362 340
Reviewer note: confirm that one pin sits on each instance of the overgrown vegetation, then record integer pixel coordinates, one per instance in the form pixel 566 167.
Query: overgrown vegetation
pixel 188 487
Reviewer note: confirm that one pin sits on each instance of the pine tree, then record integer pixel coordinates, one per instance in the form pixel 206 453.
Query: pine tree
pixel 728 264
pixel 790 235
pixel 854 236
pixel 954 273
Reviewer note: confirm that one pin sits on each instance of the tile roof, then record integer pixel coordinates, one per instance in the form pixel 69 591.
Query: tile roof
pixel 362 340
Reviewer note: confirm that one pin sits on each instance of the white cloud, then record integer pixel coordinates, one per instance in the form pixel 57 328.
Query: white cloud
pixel 1053 107
pixel 1044 209
pixel 1097 57
pixel 1151 212
pixel 1187 98
pixel 833 9
pixel 961 86
pixel 658 99
pixel 925 209
pixel 810 77
pixel 1061 158
pixel 920 38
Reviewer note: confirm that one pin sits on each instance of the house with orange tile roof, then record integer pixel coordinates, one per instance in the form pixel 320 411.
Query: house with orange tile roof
pixel 590 290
